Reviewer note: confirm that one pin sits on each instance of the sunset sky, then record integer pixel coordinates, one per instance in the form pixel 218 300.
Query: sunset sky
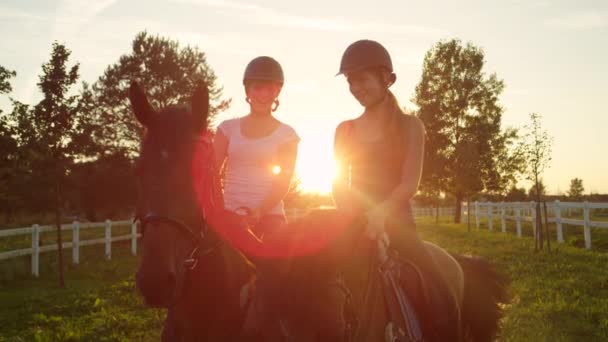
pixel 551 55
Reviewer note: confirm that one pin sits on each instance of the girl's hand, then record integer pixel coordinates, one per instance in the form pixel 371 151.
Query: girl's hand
pixel 254 217
pixel 375 223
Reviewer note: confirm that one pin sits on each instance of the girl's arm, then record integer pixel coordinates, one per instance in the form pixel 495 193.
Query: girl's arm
pixel 411 171
pixel 220 150
pixel 287 155
pixel 340 185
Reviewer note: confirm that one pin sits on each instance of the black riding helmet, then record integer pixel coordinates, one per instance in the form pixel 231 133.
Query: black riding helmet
pixel 263 68
pixel 365 54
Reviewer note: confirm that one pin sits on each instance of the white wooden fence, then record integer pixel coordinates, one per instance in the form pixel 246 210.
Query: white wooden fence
pixel 76 227
pixel 75 244
pixel 294 213
pixel 525 212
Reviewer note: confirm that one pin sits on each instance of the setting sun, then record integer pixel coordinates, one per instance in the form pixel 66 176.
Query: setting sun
pixel 315 166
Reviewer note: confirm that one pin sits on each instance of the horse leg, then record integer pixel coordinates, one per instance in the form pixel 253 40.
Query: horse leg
pixel 330 311
pixel 169 333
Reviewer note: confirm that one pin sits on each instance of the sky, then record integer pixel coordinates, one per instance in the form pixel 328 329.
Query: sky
pixel 551 56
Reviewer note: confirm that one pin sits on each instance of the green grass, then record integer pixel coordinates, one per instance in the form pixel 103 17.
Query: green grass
pixel 573 235
pixel 99 302
pixel 557 296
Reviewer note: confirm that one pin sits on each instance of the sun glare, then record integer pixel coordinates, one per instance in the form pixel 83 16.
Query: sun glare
pixel 316 168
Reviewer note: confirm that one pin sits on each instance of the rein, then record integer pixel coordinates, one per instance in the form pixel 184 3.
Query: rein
pixel 198 251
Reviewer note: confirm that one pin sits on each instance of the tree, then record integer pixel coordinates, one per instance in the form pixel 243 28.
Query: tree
pixel 466 151
pixel 104 186
pixel 516 194
pixel 535 149
pixel 576 189
pixel 50 133
pixel 167 71
pixel 537 191
pixel 5 75
pixel 8 153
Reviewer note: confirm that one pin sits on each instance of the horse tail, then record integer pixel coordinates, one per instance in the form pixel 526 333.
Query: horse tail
pixel 485 291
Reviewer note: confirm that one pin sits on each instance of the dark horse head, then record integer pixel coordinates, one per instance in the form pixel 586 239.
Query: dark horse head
pixel 185 266
pixel 172 220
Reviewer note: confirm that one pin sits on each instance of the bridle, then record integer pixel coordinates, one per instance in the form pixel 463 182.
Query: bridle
pixel 199 250
pixel 205 241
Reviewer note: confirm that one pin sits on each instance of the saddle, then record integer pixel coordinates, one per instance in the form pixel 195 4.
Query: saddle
pixel 403 289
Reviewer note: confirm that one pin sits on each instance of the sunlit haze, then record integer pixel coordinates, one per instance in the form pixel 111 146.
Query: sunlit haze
pixel 551 55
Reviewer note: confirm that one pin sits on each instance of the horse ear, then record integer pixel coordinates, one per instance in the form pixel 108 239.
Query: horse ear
pixel 200 105
pixel 139 102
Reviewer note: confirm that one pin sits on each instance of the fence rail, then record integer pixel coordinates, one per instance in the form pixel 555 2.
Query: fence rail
pixel 519 212
pixel 76 227
pixel 525 212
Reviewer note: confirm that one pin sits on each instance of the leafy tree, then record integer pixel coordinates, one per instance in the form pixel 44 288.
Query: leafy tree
pixel 536 192
pixel 167 71
pixel 576 189
pixel 516 194
pixel 535 149
pixel 104 186
pixel 466 150
pixel 8 153
pixel 50 132
pixel 5 75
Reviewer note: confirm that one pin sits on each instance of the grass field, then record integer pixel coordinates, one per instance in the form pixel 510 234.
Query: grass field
pixel 557 296
pixel 99 302
pixel 573 235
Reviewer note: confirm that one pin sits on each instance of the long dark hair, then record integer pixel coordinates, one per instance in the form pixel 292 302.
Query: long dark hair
pixel 393 129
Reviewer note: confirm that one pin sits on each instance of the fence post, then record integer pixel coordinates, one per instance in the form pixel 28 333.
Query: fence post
pixel 518 218
pixel 76 242
pixel 490 216
pixel 477 214
pixel 134 237
pixel 462 211
pixel 108 239
pixel 533 213
pixel 587 226
pixel 35 249
pixel 558 222
pixel 503 219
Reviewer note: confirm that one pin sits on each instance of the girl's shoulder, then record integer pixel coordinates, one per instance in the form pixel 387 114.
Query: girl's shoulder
pixel 228 126
pixel 288 132
pixel 412 123
pixel 346 126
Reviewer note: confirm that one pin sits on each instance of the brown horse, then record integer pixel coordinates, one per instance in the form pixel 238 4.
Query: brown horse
pixel 185 267
pixel 337 286
pixel 330 267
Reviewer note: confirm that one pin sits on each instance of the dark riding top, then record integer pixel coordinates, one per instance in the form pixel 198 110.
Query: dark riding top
pixel 376 169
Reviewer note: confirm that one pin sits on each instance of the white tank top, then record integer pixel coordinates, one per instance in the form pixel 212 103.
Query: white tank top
pixel 250 163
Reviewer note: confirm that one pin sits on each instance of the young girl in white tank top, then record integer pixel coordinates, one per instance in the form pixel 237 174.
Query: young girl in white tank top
pixel 258 151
